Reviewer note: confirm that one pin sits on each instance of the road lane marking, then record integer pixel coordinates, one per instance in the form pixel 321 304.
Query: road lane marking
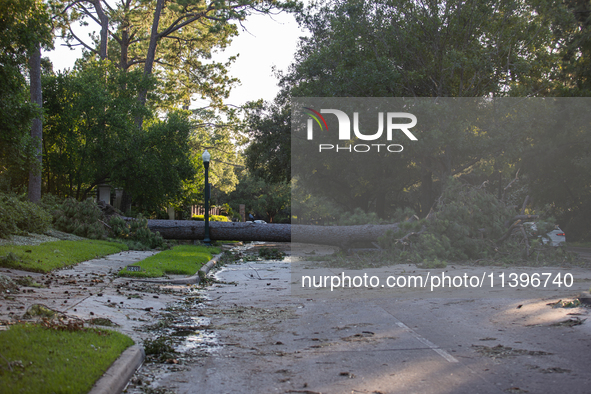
pixel 427 342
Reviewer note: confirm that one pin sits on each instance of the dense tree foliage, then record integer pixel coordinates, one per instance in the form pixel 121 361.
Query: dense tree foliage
pixel 482 49
pixel 268 155
pixel 572 30
pixel 91 138
pixel 157 53
pixel 97 124
pixel 421 49
pixel 267 201
pixel 425 49
pixel 24 25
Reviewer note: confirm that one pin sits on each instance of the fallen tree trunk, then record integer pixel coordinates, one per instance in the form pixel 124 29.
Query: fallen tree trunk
pixel 341 236
pixel 248 231
pixel 221 231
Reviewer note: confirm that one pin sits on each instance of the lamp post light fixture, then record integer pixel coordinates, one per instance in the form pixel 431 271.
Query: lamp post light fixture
pixel 206 156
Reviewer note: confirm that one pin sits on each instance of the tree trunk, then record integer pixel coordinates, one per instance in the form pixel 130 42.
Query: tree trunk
pixel 104 19
pixel 151 55
pixel 124 49
pixel 342 236
pixel 247 231
pixel 37 126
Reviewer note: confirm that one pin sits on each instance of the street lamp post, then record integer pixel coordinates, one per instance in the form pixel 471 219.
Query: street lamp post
pixel 206 156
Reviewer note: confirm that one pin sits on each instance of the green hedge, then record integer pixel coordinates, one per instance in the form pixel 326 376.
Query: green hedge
pixel 212 218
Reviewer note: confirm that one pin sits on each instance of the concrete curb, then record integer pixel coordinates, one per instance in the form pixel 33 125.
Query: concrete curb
pixel 191 280
pixel 120 372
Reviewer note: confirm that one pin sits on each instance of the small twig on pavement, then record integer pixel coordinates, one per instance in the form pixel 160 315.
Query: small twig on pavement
pixel 255 271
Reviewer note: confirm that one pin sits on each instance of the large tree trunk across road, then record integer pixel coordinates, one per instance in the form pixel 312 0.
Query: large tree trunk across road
pixel 248 231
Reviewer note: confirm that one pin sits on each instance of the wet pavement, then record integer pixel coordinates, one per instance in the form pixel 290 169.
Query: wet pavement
pixel 257 338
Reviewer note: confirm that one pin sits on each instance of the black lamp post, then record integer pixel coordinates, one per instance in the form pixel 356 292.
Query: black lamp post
pixel 206 156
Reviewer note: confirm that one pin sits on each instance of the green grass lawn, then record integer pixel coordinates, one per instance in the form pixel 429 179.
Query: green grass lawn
pixel 52 255
pixel 38 360
pixel 180 260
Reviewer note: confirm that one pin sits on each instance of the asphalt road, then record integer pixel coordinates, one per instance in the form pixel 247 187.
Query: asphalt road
pixel 584 253
pixel 268 341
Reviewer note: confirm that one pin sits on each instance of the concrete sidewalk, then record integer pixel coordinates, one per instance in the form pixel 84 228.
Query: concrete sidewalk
pixel 92 291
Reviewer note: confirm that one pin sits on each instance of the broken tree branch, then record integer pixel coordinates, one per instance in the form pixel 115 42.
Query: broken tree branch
pixel 526 240
pixel 509 185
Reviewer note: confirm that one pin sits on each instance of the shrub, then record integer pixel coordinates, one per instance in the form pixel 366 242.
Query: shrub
pixel 18 216
pixel 82 218
pixel 140 232
pixel 51 203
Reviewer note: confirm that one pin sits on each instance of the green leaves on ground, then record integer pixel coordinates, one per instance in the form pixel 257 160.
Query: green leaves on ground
pixel 180 260
pixel 135 234
pixel 36 359
pixel 80 218
pixel 53 255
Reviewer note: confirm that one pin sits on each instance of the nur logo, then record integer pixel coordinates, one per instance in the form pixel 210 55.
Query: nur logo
pixel 344 132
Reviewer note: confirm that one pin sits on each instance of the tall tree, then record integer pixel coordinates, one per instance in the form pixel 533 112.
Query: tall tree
pixel 90 138
pixel 171 39
pixel 24 27
pixel 426 48
pixel 268 155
